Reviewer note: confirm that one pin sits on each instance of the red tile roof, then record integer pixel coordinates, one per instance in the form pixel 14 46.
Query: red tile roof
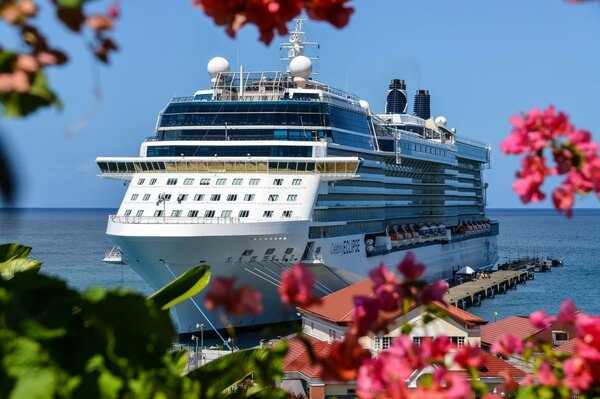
pixel 298 359
pixel 568 347
pixel 337 307
pixel 515 325
pixel 492 366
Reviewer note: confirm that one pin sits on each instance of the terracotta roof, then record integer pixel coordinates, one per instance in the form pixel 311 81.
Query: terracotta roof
pixel 297 358
pixel 515 325
pixel 492 366
pixel 568 347
pixel 337 307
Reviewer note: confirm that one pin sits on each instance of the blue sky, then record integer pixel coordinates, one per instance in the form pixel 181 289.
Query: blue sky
pixel 481 60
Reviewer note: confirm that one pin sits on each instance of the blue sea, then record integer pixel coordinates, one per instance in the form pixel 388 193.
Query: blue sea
pixel 72 243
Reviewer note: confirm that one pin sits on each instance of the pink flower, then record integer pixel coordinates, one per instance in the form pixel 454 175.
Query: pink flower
pixel 540 319
pixel 563 200
pixel 365 315
pixel 469 356
pixel 297 286
pixel 435 349
pixel 578 375
pixel 381 276
pixel 506 345
pixel 567 311
pixel 433 292
pixel 344 359
pixel 531 176
pixel 546 375
pixel 410 268
pixel 239 301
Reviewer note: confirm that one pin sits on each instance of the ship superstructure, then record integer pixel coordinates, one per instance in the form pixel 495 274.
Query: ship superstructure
pixel 267 169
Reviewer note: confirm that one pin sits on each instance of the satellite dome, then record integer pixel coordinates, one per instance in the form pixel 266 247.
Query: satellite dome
pixel 440 121
pixel 216 66
pixel 364 104
pixel 301 67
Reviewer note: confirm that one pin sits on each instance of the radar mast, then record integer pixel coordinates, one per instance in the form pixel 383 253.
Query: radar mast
pixel 296 44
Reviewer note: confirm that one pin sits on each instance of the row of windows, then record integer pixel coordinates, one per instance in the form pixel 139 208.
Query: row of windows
pixel 208 213
pixel 229 151
pixel 213 197
pixel 200 134
pixel 219 182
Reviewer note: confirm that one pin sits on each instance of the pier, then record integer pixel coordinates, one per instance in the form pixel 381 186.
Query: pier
pixel 471 293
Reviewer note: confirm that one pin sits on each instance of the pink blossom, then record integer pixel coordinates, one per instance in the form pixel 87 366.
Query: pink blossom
pixel 540 319
pixel 578 375
pixel 469 356
pixel 546 375
pixel 563 200
pixel 435 349
pixel 567 311
pixel 531 176
pixel 297 286
pixel 344 359
pixel 239 301
pixel 381 275
pixel 365 315
pixel 506 345
pixel 434 292
pixel 410 268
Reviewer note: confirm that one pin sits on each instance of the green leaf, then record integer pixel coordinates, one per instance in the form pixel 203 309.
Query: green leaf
pixel 70 3
pixel 8 269
pixel 183 287
pixel 23 104
pixel 221 374
pixel 13 251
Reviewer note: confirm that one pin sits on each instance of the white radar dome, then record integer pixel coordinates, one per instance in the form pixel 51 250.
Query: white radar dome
pixel 216 66
pixel 364 104
pixel 301 67
pixel 440 121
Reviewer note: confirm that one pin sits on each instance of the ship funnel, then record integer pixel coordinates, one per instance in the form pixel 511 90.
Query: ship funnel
pixel 422 104
pixel 396 100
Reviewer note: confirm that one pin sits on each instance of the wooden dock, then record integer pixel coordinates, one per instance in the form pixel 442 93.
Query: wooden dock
pixel 473 292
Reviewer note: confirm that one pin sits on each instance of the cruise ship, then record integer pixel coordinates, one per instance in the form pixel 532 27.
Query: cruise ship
pixel 264 170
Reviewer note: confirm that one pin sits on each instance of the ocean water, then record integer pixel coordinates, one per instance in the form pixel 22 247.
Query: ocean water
pixel 72 243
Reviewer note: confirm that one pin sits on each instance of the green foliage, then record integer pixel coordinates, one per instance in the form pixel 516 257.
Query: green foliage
pixel 24 103
pixel 58 343
pixel 185 286
pixel 227 374
pixel 13 258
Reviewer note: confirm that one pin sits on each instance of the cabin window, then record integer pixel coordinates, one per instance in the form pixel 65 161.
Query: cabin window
pixel 267 214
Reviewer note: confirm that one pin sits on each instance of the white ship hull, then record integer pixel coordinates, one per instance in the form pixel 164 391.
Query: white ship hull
pixel 156 257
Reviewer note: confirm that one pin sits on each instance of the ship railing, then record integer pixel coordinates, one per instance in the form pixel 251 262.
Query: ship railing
pixel 194 220
pixel 472 142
